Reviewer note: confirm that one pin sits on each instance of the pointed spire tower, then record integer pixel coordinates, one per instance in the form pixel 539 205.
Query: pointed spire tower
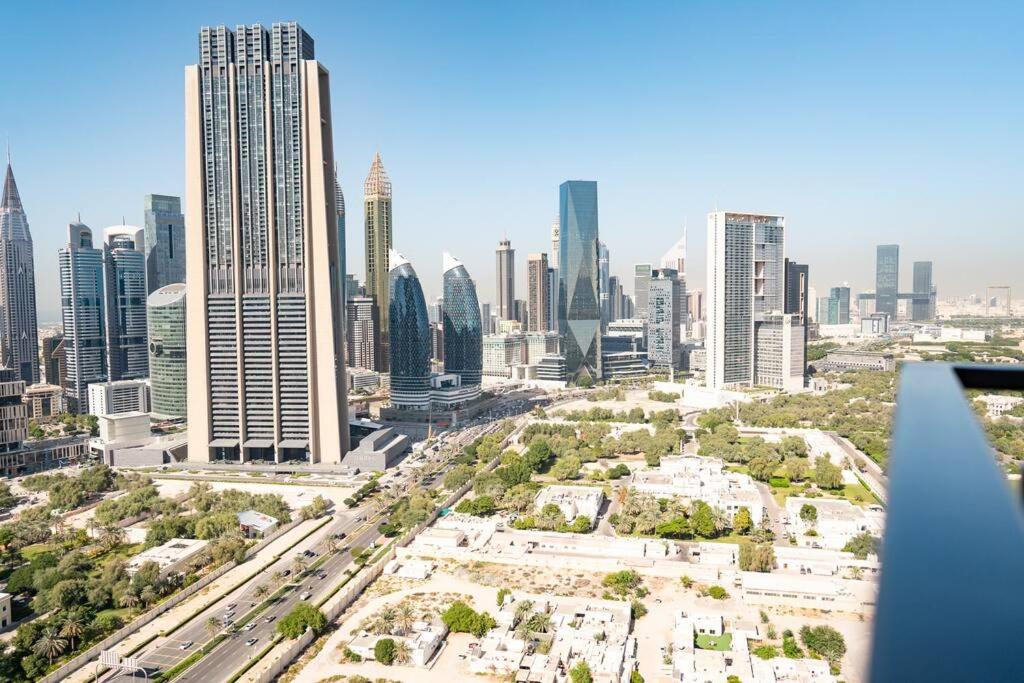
pixel 19 340
pixel 377 210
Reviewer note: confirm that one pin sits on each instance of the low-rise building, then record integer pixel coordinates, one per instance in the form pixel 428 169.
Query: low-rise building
pixel 44 401
pixel 424 640
pixel 551 368
pixel 361 379
pixel 834 523
pixel 171 557
pixel 255 524
pixel 378 451
pixel 858 360
pixel 573 501
pixel 997 404
pixel 6 613
pixel 692 478
pixel 623 365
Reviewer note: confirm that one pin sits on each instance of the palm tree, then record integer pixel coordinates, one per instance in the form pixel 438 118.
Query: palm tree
pixel 261 591
pixel 385 621
pixel 148 595
pixel 403 653
pixel 299 564
pixel 60 528
pixel 278 577
pixel 129 600
pixel 112 536
pixel 50 644
pixel 523 608
pixel 405 617
pixel 540 622
pixel 212 626
pixel 72 628
pixel 330 544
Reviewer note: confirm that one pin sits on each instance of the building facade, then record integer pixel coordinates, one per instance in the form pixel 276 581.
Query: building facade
pixel 265 365
pixel 118 397
pixel 377 207
pixel 124 272
pixel 664 318
pixel 746 282
pixel 167 357
pixel 44 401
pixel 779 352
pixel 409 338
pixel 82 294
pixel 55 366
pixel 579 313
pixel 505 279
pixel 603 284
pixel 165 241
pixel 361 331
pixel 539 292
pixel 641 282
pixel 923 303
pixel 887 278
pixel 462 331
pixel 19 338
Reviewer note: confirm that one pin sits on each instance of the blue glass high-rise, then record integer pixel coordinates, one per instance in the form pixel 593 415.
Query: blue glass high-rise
pixel 463 331
pixel 579 311
pixel 409 336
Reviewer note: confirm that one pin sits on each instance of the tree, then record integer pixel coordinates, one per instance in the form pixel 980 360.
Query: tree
pixel 303 616
pixel 790 648
pixel 766 652
pixel 741 521
pixel 862 545
pixel 502 594
pixel 635 677
pixel 718 593
pixel 50 644
pixel 756 557
pixel 566 467
pixel 384 651
pixel 129 600
pixel 403 653
pixel 461 618
pixel 581 673
pixel 405 617
pixel 824 641
pixel 458 476
pixel 677 527
pixel 827 475
pixel 702 519
pixel 809 513
pixel 72 628
pixel 622 582
pixel 763 467
pixel 795 468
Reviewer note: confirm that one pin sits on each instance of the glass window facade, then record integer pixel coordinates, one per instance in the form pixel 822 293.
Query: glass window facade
pixel 409 335
pixel 887 278
pixel 167 351
pixel 579 312
pixel 463 333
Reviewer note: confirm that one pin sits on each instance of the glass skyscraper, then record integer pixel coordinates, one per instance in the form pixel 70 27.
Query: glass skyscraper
pixel 887 279
pixel 165 241
pixel 922 306
pixel 19 338
pixel 463 332
pixel 377 211
pixel 82 296
pixel 579 311
pixel 409 336
pixel 166 317
pixel 124 267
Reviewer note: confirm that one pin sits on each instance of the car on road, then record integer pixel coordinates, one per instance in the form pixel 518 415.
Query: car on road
pixel 250 626
pixel 185 645
pixel 286 572
pixel 270 618
pixel 251 642
pixel 305 596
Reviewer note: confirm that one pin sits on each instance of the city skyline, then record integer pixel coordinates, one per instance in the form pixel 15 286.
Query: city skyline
pixel 878 114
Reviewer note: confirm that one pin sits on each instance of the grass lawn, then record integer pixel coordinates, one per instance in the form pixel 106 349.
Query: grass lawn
pixel 721 643
pixel 732 537
pixel 117 612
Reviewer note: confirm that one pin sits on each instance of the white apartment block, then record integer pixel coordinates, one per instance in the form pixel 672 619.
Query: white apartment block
pixel 779 352
pixel 690 478
pixel 123 396
pixel 837 522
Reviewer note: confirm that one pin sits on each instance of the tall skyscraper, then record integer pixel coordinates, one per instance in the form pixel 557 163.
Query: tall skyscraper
pixel 463 332
pixel 923 303
pixel 485 318
pixel 505 274
pixel 664 314
pixel 410 344
pixel 579 312
pixel 266 376
pixel 887 279
pixel 641 278
pixel 538 303
pixel 339 213
pixel 552 295
pixel 614 298
pixel 124 271
pixel 377 206
pixel 19 339
pixel 361 332
pixel 165 241
pixel 841 296
pixel 746 282
pixel 82 294
pixel 167 359
pixel 603 274
pixel 797 297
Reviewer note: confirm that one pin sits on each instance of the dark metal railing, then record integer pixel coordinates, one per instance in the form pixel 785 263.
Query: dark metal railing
pixel 951 599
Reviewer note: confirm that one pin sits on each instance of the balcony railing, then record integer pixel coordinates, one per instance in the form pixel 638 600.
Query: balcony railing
pixel 951 599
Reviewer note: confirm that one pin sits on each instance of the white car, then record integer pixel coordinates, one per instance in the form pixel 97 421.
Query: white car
pixel 305 596
pixel 251 642
pixel 185 645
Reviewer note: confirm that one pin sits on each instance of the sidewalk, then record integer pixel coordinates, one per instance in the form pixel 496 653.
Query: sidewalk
pixel 204 598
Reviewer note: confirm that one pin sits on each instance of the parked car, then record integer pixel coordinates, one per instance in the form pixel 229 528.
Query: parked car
pixel 185 645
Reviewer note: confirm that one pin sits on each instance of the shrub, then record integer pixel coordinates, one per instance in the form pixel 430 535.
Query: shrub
pixel 302 616
pixel 384 651
pixel 461 618
pixel 718 593
pixel 766 652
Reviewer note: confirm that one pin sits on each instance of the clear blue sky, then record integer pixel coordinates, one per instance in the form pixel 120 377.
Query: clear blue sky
pixel 861 122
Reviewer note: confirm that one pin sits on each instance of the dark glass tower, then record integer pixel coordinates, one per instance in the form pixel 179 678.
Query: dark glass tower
pixel 409 336
pixel 463 332
pixel 923 303
pixel 579 311
pixel 887 278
